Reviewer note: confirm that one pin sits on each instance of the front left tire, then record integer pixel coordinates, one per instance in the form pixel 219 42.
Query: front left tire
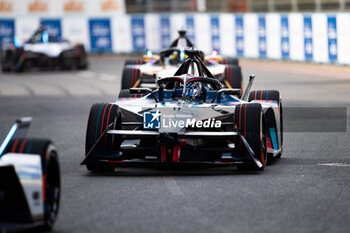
pixel 100 117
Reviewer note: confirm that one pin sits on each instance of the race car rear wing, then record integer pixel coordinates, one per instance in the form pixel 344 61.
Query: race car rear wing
pixel 18 130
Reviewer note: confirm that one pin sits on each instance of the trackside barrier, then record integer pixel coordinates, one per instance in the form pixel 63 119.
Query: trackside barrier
pixel 311 37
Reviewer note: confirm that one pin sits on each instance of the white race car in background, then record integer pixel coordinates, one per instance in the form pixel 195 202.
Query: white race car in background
pixel 30 181
pixel 42 50
pixel 144 72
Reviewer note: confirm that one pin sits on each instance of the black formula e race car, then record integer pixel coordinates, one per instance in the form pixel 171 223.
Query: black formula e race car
pixel 30 181
pixel 187 119
pixel 44 51
pixel 146 71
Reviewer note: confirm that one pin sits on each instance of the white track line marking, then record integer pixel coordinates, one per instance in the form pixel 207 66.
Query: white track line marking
pixel 107 77
pixel 335 164
pixel 86 74
pixel 172 186
pixel 14 91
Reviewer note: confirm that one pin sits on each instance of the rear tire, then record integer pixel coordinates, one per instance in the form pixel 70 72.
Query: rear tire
pixel 233 75
pixel 229 61
pixel 134 62
pixel 82 63
pixel 265 95
pixel 102 115
pixel 273 95
pixel 5 69
pixel 20 62
pixel 250 122
pixel 130 77
pixel 50 172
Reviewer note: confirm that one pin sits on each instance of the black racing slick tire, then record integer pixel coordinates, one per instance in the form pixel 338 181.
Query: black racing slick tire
pixel 250 122
pixel 229 61
pixel 5 70
pixel 50 173
pixel 125 93
pixel 20 63
pixel 233 77
pixel 130 77
pixel 267 95
pixel 82 62
pixel 101 116
pixel 134 62
pixel 264 95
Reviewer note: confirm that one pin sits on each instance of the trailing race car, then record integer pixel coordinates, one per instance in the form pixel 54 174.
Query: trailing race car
pixel 30 183
pixel 42 50
pixel 144 72
pixel 189 118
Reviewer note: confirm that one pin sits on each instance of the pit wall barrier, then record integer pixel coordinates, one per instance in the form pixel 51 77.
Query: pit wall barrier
pixel 313 37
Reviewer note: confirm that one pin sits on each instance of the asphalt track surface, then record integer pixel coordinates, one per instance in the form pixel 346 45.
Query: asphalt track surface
pixel 307 190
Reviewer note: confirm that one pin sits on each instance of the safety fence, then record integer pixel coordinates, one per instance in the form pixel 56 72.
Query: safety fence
pixel 310 37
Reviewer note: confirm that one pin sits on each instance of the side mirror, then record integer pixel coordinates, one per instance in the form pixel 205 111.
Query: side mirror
pixel 143 91
pixel 227 91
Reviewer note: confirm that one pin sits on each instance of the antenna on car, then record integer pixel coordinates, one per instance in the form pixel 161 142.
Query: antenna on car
pixel 249 86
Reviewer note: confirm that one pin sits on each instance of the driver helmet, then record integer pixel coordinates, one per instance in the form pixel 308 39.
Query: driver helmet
pixel 174 55
pixel 194 90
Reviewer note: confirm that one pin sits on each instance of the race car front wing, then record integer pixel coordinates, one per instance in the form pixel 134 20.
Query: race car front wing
pixel 116 157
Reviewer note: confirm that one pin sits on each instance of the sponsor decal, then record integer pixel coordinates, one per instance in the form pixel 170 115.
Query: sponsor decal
pixel 100 35
pixel 109 5
pixel 151 120
pixel 308 49
pixel 138 33
pixel 7 30
pixel 38 6
pixel 284 37
pixel 190 28
pixel 6 7
pixel 53 27
pixel 165 31
pixel 239 35
pixel 215 33
pixel 73 6
pixel 262 36
pixel 155 120
pixel 332 38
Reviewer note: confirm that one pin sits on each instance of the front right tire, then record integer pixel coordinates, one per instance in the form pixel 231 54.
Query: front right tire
pixel 101 116
pixel 271 95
